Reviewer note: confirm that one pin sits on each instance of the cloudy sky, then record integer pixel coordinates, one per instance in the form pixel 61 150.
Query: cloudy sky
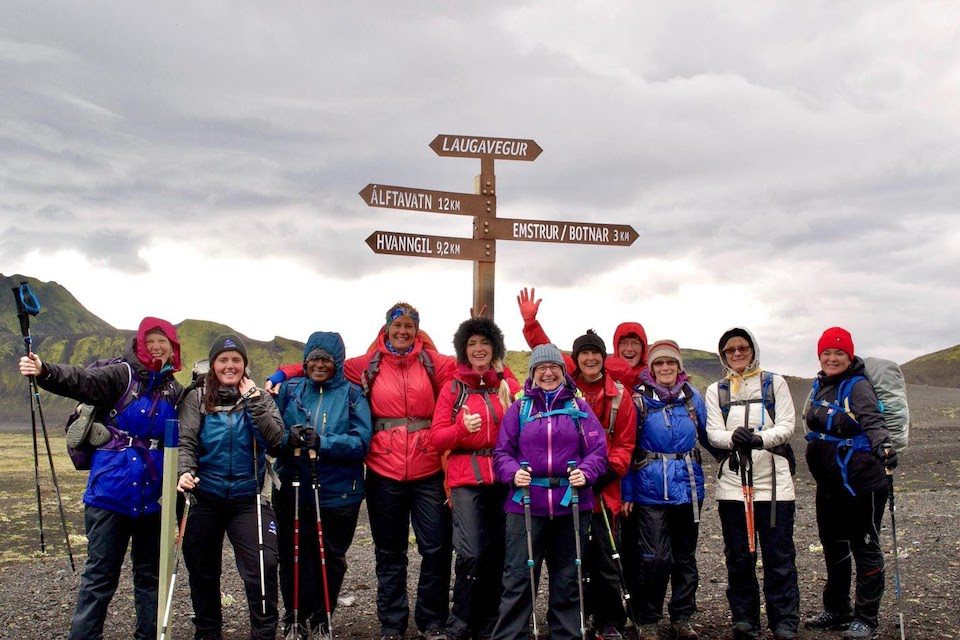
pixel 788 166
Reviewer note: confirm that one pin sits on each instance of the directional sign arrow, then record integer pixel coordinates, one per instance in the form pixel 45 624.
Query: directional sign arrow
pixel 557 231
pixel 390 197
pixel 424 246
pixel 476 147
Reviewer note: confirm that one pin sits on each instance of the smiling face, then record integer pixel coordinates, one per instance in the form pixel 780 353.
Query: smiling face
pixel 738 353
pixel 834 361
pixel 229 368
pixel 479 353
pixel 665 371
pixel 548 376
pixel 401 333
pixel 320 369
pixel 630 349
pixel 590 363
pixel 158 346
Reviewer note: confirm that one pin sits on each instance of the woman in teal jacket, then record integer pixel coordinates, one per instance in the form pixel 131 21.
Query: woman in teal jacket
pixel 225 427
pixel 328 426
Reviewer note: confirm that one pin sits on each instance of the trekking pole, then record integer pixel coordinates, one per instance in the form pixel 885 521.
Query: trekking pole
pixel 575 503
pixel 896 551
pixel 294 631
pixel 615 554
pixel 528 522
pixel 28 305
pixel 256 483
pixel 312 454
pixel 177 553
pixel 746 483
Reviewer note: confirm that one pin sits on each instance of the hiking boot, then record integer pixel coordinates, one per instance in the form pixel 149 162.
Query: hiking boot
pixel 610 632
pixel 319 631
pixel 744 630
pixel 683 630
pixel 784 634
pixel 859 630
pixel 391 636
pixel 828 621
pixel 647 632
pixel 433 634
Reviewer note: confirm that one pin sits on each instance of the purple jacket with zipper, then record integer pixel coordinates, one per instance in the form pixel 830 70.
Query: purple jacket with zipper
pixel 547 443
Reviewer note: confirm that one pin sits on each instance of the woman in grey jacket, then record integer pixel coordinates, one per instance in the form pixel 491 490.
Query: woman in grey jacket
pixel 750 413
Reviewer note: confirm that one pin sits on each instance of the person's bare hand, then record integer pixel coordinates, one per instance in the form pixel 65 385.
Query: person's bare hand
pixel 522 478
pixel 471 421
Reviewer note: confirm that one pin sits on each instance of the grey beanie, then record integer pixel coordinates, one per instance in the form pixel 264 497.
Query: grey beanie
pixel 545 353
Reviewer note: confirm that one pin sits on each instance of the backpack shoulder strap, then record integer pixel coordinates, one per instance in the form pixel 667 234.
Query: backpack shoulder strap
pixel 370 373
pixel 768 395
pixel 690 403
pixel 615 407
pixel 460 389
pixel 723 397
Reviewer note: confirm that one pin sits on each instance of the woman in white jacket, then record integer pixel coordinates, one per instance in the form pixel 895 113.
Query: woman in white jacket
pixel 750 413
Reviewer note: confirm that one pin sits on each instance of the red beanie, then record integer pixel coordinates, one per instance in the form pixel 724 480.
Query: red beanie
pixel 836 338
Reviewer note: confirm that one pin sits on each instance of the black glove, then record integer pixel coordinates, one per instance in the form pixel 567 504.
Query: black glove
pixel 745 438
pixel 605 478
pixel 888 456
pixel 301 436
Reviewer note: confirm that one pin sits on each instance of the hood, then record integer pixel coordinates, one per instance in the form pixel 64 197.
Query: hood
pixel 147 325
pixel 625 329
pixel 746 333
pixel 332 343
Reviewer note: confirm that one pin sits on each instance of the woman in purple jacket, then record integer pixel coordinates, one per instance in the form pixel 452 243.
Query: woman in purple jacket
pixel 541 433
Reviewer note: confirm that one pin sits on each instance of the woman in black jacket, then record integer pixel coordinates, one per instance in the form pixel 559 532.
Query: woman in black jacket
pixel 849 446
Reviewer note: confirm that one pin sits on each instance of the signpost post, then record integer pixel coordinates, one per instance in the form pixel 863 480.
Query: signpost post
pixel 481 249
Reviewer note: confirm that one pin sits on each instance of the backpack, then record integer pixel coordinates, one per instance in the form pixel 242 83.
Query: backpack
pixel 891 389
pixel 769 401
pixel 82 455
pixel 373 369
pixel 642 390
pixel 615 407
pixel 569 408
pixel 463 391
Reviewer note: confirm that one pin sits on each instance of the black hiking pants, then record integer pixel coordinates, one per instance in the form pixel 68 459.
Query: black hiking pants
pixel 780 588
pixel 392 506
pixel 108 534
pixel 850 526
pixel 478 530
pixel 553 539
pixel 210 519
pixel 602 588
pixel 662 545
pixel 339 525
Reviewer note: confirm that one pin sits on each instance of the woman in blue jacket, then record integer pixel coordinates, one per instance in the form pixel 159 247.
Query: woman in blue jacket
pixel 328 423
pixel 225 427
pixel 662 494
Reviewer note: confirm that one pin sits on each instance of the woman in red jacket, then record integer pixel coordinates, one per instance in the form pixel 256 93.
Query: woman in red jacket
pixel 466 423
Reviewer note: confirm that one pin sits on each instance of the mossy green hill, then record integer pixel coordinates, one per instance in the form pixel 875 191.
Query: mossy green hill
pixel 938 369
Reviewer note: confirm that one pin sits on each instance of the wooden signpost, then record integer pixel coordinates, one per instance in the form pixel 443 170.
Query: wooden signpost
pixel 481 249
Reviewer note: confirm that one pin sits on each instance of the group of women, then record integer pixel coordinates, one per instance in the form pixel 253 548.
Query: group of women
pixel 593 455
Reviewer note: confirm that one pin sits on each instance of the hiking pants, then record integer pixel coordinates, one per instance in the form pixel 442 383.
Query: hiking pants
pixel 602 588
pixel 662 545
pixel 210 518
pixel 780 589
pixel 553 539
pixel 392 506
pixel 850 525
pixel 107 536
pixel 478 531
pixel 339 525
